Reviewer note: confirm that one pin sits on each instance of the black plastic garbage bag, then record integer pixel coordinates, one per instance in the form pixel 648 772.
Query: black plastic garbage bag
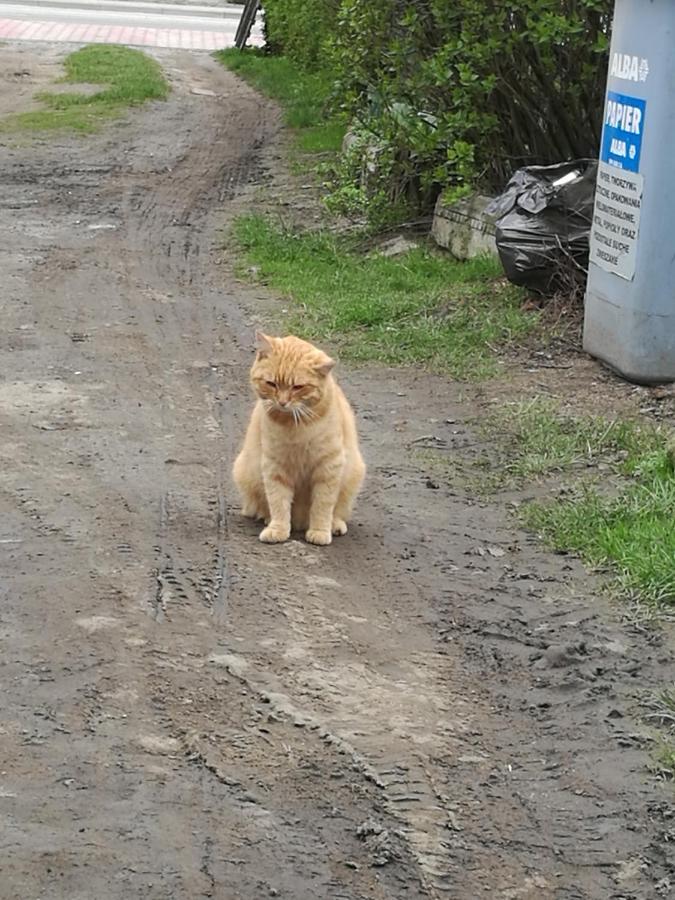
pixel 543 225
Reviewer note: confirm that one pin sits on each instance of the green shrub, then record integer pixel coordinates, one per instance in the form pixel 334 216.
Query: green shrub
pixel 301 29
pixel 463 92
pixel 455 93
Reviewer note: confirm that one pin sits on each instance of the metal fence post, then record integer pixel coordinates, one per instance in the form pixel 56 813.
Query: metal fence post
pixel 246 22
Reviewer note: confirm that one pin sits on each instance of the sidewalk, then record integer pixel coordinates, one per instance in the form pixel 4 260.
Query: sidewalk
pixel 171 26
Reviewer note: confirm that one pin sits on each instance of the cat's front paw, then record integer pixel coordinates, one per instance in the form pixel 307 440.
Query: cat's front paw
pixel 315 536
pixel 339 526
pixel 274 535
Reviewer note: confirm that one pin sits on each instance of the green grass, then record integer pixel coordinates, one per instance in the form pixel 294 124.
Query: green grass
pixel 532 440
pixel 667 702
pixel 303 96
pixel 625 522
pixel 421 307
pixel 128 78
pixel 535 440
pixel 632 534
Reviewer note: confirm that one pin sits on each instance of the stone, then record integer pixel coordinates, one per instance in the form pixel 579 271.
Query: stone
pixel 397 247
pixel 464 228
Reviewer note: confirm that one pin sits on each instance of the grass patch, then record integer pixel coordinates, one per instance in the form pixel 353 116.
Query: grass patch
pixel 628 529
pixel 630 533
pixel 531 440
pixel 420 307
pixel 536 440
pixel 303 96
pixel 128 77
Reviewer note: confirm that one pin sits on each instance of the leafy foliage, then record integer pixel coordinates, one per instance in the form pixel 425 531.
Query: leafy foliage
pixel 455 93
pixel 301 29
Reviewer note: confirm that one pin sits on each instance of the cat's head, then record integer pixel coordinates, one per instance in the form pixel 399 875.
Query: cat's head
pixel 290 376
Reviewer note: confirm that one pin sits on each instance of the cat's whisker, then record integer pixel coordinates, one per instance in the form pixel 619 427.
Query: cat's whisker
pixel 306 412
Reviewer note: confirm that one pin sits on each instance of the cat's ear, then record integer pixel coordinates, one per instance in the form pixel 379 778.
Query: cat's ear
pixel 262 344
pixel 325 367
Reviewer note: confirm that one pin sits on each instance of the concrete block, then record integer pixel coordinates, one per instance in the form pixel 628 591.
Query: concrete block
pixel 464 228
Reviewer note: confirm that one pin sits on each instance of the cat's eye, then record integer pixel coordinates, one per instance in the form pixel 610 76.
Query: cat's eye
pixel 271 384
pixel 298 387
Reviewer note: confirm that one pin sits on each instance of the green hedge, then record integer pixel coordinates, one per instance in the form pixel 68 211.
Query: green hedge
pixel 301 29
pixel 455 92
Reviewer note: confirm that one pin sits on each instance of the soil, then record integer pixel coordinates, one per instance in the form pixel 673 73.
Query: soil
pixel 431 707
pixel 23 73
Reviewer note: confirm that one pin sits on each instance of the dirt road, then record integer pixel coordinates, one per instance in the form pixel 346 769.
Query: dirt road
pixel 432 707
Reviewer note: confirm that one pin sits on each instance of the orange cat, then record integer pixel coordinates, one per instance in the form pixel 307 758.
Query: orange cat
pixel 300 466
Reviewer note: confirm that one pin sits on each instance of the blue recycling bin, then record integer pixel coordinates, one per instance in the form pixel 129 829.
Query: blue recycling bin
pixel 629 318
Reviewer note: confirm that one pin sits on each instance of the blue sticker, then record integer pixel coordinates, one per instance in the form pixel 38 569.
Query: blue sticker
pixel 622 131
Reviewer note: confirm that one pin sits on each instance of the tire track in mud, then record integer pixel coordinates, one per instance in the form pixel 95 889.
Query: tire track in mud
pixel 146 493
pixel 167 241
pixel 186 204
pixel 173 220
pixel 409 797
pixel 388 720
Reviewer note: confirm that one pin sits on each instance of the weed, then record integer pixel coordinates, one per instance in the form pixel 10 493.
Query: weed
pixel 129 78
pixel 664 716
pixel 667 702
pixel 665 760
pixel 420 307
